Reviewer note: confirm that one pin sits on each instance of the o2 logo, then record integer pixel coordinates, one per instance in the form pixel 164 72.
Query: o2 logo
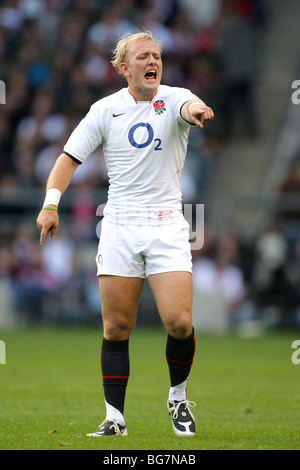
pixel 134 134
pixel 296 354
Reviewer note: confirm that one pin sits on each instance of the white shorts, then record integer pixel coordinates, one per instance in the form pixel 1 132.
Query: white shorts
pixel 142 250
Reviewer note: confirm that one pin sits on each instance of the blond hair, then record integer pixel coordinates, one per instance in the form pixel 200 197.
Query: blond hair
pixel 121 49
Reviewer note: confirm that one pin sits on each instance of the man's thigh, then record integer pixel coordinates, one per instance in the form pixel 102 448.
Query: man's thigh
pixel 173 293
pixel 119 301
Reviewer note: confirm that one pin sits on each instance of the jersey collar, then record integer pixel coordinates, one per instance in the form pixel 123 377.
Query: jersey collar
pixel 137 101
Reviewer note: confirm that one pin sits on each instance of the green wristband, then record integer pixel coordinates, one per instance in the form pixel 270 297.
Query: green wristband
pixel 49 208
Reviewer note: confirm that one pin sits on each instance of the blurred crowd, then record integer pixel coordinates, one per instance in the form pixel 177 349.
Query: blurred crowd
pixel 55 62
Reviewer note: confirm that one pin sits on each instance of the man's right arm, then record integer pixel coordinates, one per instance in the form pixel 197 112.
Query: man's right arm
pixel 59 178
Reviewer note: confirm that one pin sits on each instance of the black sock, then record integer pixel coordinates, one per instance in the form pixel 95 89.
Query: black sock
pixel 115 371
pixel 180 355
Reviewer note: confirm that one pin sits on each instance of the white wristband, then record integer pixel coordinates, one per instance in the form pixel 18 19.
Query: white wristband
pixel 53 196
pixel 196 102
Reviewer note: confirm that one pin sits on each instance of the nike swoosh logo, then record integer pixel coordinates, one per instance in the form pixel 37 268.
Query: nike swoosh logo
pixel 116 115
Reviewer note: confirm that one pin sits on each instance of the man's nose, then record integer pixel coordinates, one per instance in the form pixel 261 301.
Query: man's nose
pixel 151 59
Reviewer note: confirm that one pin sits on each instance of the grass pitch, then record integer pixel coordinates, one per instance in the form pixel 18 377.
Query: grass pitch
pixel 246 390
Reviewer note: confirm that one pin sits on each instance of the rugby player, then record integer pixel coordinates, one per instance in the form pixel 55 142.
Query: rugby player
pixel 144 130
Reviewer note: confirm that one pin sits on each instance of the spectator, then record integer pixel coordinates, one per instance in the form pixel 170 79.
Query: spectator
pixel 219 270
pixel 238 63
pixel 112 25
pixel 273 289
pixel 203 13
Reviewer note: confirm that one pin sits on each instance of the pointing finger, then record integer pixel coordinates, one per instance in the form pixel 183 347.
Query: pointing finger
pixel 43 236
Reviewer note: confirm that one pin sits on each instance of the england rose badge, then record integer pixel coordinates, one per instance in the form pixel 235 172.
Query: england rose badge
pixel 159 106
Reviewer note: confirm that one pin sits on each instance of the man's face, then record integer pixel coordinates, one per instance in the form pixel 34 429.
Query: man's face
pixel 143 69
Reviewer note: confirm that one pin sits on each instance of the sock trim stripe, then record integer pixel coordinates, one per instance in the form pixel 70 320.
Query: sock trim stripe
pixel 115 377
pixel 179 362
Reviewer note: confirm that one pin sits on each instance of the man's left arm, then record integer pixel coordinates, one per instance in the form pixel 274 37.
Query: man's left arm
pixel 196 112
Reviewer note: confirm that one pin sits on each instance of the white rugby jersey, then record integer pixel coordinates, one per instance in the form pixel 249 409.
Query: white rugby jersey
pixel 144 146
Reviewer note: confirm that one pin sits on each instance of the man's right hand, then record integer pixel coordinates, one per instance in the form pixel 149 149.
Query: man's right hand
pixel 47 222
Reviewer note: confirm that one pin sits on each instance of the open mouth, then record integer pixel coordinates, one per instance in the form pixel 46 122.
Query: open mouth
pixel 151 75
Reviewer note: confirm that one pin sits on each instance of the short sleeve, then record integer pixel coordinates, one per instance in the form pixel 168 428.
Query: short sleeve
pixel 180 97
pixel 86 137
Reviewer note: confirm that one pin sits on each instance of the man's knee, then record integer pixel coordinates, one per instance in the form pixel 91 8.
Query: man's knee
pixel 118 329
pixel 181 327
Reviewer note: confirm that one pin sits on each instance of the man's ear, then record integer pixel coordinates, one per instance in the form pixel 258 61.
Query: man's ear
pixel 125 70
